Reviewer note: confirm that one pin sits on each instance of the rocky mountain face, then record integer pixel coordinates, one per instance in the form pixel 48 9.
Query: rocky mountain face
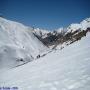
pixel 68 35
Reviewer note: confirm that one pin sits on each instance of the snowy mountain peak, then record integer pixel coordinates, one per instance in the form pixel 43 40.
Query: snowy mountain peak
pixel 59 30
pixel 87 20
pixel 79 26
pixel 40 32
pixel 85 24
pixel 11 25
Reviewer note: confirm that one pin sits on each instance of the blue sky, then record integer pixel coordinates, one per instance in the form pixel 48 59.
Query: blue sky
pixel 46 14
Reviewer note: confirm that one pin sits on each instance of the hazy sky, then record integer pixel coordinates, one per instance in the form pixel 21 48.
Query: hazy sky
pixel 46 14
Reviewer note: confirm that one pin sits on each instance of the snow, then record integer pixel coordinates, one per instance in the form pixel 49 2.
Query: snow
pixel 17 41
pixel 60 30
pixel 85 24
pixel 41 32
pixel 82 26
pixel 61 46
pixel 66 69
pixel 74 27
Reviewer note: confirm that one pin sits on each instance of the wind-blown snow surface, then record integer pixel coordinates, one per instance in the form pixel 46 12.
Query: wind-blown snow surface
pixel 66 69
pixel 17 42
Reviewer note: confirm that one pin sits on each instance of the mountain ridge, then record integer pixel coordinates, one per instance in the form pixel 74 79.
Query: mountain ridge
pixel 17 43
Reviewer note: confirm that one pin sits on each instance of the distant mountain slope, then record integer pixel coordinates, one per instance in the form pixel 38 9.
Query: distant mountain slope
pixel 18 44
pixel 64 35
pixel 79 26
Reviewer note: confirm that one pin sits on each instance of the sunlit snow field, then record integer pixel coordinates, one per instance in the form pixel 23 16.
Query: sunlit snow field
pixel 66 69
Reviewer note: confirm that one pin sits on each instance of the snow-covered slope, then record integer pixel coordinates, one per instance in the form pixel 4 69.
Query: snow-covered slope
pixel 60 30
pixel 18 44
pixel 79 26
pixel 66 69
pixel 40 32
